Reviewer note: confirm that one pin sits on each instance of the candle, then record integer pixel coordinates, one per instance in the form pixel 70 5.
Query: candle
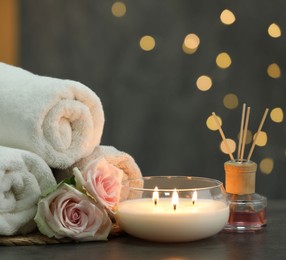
pixel 183 208
pixel 187 221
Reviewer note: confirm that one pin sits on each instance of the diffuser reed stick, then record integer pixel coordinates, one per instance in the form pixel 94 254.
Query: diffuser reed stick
pixel 241 131
pixel 244 133
pixel 223 136
pixel 257 133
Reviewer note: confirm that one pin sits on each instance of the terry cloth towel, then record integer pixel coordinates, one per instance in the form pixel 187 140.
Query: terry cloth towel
pixel 119 159
pixel 23 177
pixel 60 120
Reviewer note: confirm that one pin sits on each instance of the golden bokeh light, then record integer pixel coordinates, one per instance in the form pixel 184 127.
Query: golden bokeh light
pixel 277 115
pixel 230 101
pixel 273 71
pixel 266 165
pixel 211 123
pixel 204 83
pixel 227 17
pixel 274 30
pixel 118 9
pixel 231 144
pixel 147 43
pixel 261 140
pixel 187 50
pixel 191 43
pixel 249 138
pixel 223 60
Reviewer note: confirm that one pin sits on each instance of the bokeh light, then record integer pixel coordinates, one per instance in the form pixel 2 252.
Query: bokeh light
pixel 230 101
pixel 266 165
pixel 273 71
pixel 223 60
pixel 231 144
pixel 277 115
pixel 191 43
pixel 204 83
pixel 249 138
pixel 274 30
pixel 261 140
pixel 118 9
pixel 211 123
pixel 147 43
pixel 227 17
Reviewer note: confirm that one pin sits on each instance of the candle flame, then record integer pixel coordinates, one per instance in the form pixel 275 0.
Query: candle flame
pixel 175 199
pixel 155 196
pixel 195 196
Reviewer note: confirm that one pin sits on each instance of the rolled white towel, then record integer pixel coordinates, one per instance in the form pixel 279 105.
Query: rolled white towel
pixel 60 120
pixel 23 177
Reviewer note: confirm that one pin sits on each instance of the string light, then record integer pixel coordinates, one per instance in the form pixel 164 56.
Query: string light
pixel 273 71
pixel 191 43
pixel 204 83
pixel 223 60
pixel 277 115
pixel 274 30
pixel 147 43
pixel 266 165
pixel 248 137
pixel 230 101
pixel 211 124
pixel 118 9
pixel 227 17
pixel 231 144
pixel 261 139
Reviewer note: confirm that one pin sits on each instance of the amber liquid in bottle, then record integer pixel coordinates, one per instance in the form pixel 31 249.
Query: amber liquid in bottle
pixel 247 215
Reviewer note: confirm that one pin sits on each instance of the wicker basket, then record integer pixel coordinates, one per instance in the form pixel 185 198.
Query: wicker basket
pixel 37 238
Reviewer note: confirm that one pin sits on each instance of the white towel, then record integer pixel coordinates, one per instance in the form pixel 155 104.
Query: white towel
pixel 23 177
pixel 119 159
pixel 60 120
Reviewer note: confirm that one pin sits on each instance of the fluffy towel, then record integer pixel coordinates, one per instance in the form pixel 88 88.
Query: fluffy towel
pixel 23 177
pixel 117 158
pixel 60 120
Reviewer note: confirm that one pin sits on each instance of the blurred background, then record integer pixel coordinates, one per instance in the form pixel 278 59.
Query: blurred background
pixel 161 68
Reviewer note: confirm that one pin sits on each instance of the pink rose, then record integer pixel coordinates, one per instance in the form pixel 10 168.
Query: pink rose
pixel 67 212
pixel 102 181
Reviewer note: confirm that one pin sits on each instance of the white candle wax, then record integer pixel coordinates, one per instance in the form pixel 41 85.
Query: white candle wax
pixel 143 219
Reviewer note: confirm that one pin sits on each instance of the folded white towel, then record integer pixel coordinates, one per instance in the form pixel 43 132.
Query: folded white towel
pixel 60 120
pixel 119 159
pixel 23 177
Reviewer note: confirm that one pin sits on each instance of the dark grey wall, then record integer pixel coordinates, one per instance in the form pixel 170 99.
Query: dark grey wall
pixel 152 106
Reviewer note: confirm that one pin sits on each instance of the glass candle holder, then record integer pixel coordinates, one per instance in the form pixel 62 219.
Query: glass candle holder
pixel 247 208
pixel 172 208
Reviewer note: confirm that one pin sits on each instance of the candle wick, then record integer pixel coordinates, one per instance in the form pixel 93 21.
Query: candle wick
pixel 155 202
pixel 194 202
pixel 175 206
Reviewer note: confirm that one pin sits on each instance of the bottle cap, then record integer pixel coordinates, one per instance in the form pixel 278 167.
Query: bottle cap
pixel 240 176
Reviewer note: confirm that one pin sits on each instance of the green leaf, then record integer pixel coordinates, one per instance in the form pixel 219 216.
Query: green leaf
pixel 69 181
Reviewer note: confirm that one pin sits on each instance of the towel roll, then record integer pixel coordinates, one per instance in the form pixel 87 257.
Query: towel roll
pixel 23 177
pixel 60 120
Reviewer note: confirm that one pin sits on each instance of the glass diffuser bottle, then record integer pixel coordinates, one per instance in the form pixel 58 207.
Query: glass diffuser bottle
pixel 247 208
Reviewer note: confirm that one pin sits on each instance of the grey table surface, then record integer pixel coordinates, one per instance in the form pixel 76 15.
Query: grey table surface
pixel 270 243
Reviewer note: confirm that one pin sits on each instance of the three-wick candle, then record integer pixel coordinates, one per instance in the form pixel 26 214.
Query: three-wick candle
pixel 172 220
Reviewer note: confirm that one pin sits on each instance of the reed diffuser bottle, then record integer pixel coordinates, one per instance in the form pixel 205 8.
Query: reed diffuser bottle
pixel 247 208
